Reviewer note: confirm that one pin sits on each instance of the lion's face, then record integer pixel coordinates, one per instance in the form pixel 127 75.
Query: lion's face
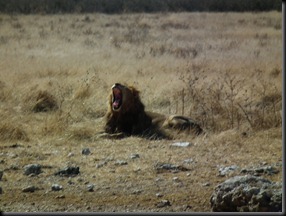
pixel 123 98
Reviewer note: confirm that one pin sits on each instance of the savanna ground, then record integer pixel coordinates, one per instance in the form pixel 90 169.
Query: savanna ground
pixel 222 69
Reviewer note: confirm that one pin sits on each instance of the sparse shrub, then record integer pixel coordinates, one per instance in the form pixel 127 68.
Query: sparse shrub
pixel 45 102
pixel 89 42
pixel 11 132
pixel 275 72
pixel 3 40
pixel 82 134
pixel 225 103
pixel 83 92
pixel 175 25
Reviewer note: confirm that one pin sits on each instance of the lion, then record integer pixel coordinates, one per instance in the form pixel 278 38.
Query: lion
pixel 126 116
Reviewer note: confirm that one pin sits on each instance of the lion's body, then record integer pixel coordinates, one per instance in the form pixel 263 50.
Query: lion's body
pixel 126 114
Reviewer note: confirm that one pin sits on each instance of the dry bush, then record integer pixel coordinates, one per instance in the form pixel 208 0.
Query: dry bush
pixel 12 132
pixel 226 103
pixel 80 134
pixel 45 102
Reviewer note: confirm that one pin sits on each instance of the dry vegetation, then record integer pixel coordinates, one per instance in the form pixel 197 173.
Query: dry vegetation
pixel 222 69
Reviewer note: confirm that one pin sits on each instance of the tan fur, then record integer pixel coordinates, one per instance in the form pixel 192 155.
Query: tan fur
pixel 126 115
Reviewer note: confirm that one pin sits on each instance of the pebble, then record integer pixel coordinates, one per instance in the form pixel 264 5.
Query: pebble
pixel 206 184
pixel 29 189
pixel 161 167
pixel 225 170
pixel 137 191
pixel 56 187
pixel 68 171
pixel 90 187
pixel 175 179
pixel 134 156
pixel 32 169
pixel 85 151
pixel 70 154
pixel 159 195
pixel 121 162
pixel 188 161
pixel 181 144
pixel 163 203
pixel 101 164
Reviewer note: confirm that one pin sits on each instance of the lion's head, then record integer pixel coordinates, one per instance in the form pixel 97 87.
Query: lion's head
pixel 126 111
pixel 124 99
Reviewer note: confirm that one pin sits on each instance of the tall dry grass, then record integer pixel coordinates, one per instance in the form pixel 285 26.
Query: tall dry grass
pixel 222 69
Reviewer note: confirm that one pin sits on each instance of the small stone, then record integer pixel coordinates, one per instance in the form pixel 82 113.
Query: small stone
pixel 175 179
pixel 90 187
pixel 225 170
pixel 121 162
pixel 162 167
pixel 101 164
pixel 30 189
pixel 85 151
pixel 206 184
pixel 163 203
pixel 181 144
pixel 56 187
pixel 68 171
pixel 159 195
pixel 134 156
pixel 32 169
pixel 70 154
pixel 188 161
pixel 137 191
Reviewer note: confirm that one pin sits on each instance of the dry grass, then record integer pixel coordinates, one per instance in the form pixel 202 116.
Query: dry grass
pixel 222 69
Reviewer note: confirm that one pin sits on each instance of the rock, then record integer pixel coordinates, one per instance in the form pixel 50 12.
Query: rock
pixel 226 170
pixel 163 203
pixel 85 151
pixel 120 162
pixel 101 164
pixel 176 179
pixel 134 156
pixel 247 194
pixel 30 189
pixel 268 170
pixel 32 169
pixel 188 161
pixel 137 191
pixel 56 187
pixel 159 195
pixel 181 144
pixel 90 187
pixel 161 167
pixel 206 184
pixel 70 154
pixel 68 171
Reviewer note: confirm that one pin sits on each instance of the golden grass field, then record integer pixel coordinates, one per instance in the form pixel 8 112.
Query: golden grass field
pixel 222 69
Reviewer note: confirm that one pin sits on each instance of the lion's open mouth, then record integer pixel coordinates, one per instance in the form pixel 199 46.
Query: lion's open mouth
pixel 117 98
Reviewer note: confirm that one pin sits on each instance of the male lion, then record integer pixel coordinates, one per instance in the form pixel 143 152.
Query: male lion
pixel 127 116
